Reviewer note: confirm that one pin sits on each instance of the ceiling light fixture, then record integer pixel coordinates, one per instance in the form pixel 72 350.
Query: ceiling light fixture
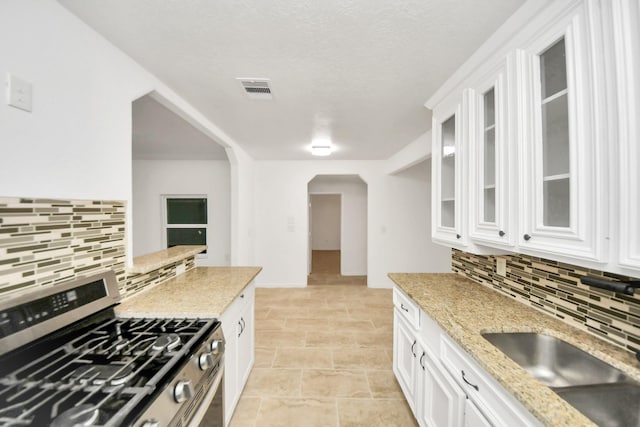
pixel 321 147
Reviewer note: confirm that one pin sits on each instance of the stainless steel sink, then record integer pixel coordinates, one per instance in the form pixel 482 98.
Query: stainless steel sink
pixel 615 405
pixel 601 392
pixel 554 362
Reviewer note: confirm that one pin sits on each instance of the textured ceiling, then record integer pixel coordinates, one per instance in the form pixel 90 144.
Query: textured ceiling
pixel 160 134
pixel 358 71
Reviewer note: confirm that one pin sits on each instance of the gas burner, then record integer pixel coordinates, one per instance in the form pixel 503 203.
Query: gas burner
pixel 166 342
pixel 99 374
pixel 82 415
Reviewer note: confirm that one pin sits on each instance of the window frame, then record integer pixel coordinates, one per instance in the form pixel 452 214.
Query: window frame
pixel 164 198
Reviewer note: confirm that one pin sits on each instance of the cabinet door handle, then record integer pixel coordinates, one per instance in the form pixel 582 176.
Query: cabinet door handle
pixel 526 237
pixel 458 236
pixel 404 308
pixel 244 324
pixel 501 233
pixel 421 357
pixel 412 346
pixel 242 296
pixel 241 324
pixel 466 381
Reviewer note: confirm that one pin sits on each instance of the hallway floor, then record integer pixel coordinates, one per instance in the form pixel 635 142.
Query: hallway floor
pixel 323 358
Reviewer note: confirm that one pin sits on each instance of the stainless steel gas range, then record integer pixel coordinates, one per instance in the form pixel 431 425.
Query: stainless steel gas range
pixel 66 359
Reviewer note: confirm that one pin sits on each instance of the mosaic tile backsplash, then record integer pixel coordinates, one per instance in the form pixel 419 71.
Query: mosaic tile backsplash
pixel 44 242
pixel 555 288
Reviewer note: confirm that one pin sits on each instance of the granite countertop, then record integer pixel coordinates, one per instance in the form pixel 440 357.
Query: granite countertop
pixel 465 309
pixel 155 260
pixel 199 292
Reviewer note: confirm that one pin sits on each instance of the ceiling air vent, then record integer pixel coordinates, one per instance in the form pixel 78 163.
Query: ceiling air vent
pixel 256 88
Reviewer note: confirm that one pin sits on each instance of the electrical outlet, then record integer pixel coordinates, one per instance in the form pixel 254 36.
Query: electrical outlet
pixel 501 266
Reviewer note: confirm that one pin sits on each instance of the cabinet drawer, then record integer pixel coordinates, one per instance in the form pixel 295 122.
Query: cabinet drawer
pixel 495 402
pixel 237 305
pixel 407 308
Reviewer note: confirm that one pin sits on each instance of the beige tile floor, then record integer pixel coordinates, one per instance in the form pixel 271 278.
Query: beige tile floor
pixel 323 358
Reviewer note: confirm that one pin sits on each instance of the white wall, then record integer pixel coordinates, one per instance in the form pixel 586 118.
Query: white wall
pixel 281 197
pixel 154 178
pixel 410 195
pixel 326 210
pixel 353 256
pixel 77 141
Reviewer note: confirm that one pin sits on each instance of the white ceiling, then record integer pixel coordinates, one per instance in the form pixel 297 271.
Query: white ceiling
pixel 356 70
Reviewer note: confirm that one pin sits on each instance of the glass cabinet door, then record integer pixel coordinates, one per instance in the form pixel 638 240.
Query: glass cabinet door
pixel 489 163
pixel 448 205
pixel 492 171
pixel 556 174
pixel 562 139
pixel 448 173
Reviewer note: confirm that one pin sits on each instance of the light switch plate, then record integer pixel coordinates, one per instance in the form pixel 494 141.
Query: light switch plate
pixel 19 93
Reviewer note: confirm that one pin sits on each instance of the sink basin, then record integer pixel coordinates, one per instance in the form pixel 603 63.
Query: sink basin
pixel 614 405
pixel 553 362
pixel 601 392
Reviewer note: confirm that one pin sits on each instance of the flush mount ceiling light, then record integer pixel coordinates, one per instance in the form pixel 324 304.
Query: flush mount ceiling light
pixel 321 147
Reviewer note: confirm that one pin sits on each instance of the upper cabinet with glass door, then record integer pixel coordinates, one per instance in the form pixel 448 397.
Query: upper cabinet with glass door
pixel 447 225
pixel 562 202
pixel 491 183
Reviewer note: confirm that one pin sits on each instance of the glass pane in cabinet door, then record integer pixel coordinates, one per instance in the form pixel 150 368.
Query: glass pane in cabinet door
pixel 555 136
pixel 489 157
pixel 555 139
pixel 448 173
pixel 553 69
pixel 556 203
pixel 490 205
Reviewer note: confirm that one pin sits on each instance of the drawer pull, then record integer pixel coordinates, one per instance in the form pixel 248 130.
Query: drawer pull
pixel 404 308
pixel 412 346
pixel 466 381
pixel 422 357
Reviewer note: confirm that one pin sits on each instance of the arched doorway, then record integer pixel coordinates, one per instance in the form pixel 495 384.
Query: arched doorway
pixel 337 229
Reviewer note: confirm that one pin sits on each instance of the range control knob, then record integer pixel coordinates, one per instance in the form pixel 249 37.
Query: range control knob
pixel 150 423
pixel 182 391
pixel 217 346
pixel 205 361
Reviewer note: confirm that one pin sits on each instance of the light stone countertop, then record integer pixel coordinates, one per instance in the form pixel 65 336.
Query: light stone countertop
pixel 465 309
pixel 155 260
pixel 202 292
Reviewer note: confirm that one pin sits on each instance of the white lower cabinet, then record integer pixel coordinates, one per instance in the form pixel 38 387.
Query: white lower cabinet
pixel 441 399
pixel 405 361
pixel 239 331
pixel 443 385
pixel 473 417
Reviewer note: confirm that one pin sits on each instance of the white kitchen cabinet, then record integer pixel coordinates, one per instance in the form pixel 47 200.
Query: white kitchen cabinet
pixel 441 399
pixel 438 378
pixel 448 195
pixel 492 213
pixel 562 165
pixel 405 362
pixel 473 417
pixel 239 330
pixel 625 27
pixel 405 346
pixel 497 405
pixel 246 341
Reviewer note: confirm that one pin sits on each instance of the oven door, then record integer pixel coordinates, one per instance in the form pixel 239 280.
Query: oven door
pixel 210 412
